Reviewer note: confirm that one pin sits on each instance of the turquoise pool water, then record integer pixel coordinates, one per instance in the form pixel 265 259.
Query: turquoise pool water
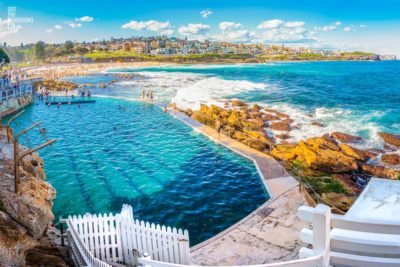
pixel 106 156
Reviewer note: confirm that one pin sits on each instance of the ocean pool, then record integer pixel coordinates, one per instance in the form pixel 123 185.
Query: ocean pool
pixel 117 151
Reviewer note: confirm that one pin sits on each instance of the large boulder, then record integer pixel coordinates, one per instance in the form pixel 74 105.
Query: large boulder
pixel 322 143
pixel 204 118
pixel 277 113
pixel 238 103
pixel 353 152
pixel 14 241
pixel 240 136
pixel 326 160
pixel 34 218
pixel 270 117
pixel 260 136
pixel 391 139
pixel 216 110
pixel 204 108
pixel 234 119
pixel 256 107
pixel 256 144
pixel 284 152
pixel 346 138
pixel 392 159
pixel 281 126
pixel 253 123
pixel 244 114
pixel 224 114
pixel 381 171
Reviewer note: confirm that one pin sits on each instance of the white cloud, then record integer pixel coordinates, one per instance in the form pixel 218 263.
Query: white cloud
pixel 363 26
pixel 270 24
pixel 73 24
pixel 348 29
pixel 206 13
pixel 194 29
pixel 294 24
pixel 164 28
pixel 49 30
pixel 236 36
pixel 279 31
pixel 288 35
pixel 58 27
pixel 329 28
pixel 85 19
pixel 228 25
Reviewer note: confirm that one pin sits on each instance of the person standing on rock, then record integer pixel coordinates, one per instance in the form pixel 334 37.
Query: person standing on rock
pixel 143 94
pixel 218 128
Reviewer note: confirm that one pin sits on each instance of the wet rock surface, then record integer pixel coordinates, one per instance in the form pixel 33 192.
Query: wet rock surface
pixel 333 165
pixel 56 85
pixel 392 159
pixel 391 139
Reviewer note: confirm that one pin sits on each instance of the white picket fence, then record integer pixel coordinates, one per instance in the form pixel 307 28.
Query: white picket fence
pixel 80 254
pixel 336 240
pixel 162 243
pixel 120 238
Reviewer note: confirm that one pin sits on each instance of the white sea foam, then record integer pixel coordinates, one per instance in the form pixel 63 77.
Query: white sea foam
pixel 333 120
pixel 189 90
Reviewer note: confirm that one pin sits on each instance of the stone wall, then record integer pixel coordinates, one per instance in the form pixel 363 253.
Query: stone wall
pixel 10 106
pixel 26 217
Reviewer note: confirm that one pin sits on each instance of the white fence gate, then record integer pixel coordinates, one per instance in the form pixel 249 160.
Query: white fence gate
pixel 121 239
pixel 162 243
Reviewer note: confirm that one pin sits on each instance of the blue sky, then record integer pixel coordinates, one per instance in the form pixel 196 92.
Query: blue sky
pixel 349 25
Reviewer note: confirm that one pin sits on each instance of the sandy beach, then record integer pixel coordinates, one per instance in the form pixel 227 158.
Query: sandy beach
pixel 54 72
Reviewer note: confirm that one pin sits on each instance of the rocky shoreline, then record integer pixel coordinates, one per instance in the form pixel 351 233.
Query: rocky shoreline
pixel 26 218
pixel 330 166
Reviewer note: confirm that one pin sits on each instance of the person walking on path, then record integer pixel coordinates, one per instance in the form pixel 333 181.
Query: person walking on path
pixel 218 128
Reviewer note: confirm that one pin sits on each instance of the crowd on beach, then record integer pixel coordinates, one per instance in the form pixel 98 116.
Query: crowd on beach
pixel 54 72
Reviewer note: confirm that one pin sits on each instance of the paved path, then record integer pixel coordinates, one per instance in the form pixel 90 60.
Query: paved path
pixel 270 233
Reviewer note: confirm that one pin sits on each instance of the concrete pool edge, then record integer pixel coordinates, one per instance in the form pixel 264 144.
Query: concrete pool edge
pixel 279 185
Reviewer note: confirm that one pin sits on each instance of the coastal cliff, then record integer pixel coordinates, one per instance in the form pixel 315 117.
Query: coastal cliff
pixel 26 218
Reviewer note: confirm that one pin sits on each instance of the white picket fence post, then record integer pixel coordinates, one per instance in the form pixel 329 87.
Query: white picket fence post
pixel 119 238
pixel 322 231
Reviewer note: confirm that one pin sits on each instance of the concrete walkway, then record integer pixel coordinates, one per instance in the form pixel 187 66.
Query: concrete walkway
pixel 270 233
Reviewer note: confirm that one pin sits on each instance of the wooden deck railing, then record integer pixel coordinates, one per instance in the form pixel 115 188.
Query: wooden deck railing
pixel 347 242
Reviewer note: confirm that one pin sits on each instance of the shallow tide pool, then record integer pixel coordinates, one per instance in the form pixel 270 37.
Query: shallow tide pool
pixel 106 155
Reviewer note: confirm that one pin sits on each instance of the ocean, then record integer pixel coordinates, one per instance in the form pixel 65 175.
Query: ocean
pixel 355 97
